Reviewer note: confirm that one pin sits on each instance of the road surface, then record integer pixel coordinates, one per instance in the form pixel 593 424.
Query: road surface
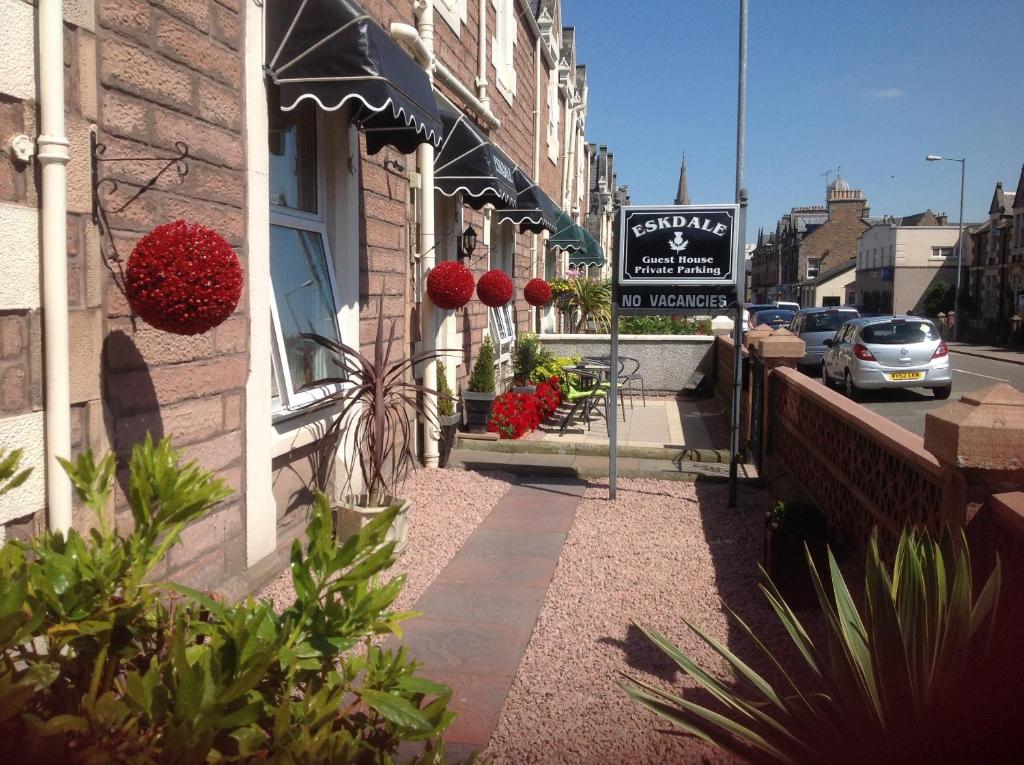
pixel 907 407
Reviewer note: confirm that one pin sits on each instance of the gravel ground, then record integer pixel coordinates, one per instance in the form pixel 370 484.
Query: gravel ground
pixel 447 506
pixel 662 552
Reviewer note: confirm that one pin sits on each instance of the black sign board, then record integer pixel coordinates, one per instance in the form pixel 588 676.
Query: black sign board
pixel 677 259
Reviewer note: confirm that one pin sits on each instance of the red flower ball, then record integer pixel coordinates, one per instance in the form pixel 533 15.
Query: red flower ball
pixel 183 278
pixel 450 285
pixel 537 292
pixel 494 288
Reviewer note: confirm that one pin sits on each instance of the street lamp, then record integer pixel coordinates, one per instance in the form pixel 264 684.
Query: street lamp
pixel 959 239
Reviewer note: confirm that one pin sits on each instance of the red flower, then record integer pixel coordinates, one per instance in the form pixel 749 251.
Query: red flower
pixel 494 288
pixel 537 292
pixel 450 285
pixel 183 278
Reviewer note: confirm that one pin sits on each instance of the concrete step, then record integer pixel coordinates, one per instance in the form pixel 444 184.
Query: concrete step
pixel 592 466
pixel 669 452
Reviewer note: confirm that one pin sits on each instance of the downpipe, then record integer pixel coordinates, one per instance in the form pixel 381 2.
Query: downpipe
pixel 53 156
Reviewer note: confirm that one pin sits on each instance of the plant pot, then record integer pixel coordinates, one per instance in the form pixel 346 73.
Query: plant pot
pixel 786 564
pixel 354 512
pixel 478 408
pixel 528 389
pixel 449 426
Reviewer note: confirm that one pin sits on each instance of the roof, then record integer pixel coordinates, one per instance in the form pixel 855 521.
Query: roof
pixel 1018 197
pixel 835 271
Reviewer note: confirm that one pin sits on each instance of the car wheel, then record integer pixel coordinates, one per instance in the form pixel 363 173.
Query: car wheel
pixel 851 390
pixel 943 392
pixel 825 379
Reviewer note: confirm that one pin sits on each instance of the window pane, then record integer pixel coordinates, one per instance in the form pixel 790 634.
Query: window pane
pixel 293 157
pixel 305 303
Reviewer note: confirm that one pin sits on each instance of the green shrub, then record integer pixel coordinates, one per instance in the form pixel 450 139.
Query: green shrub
pixel 909 676
pixel 102 666
pixel 445 397
pixel 939 299
pixel 482 378
pixel 528 356
pixel 663 325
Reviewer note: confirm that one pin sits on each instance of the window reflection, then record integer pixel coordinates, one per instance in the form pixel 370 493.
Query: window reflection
pixel 293 157
pixel 305 304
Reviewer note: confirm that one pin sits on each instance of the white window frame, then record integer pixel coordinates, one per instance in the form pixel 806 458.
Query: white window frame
pixel 554 116
pixel 938 250
pixel 454 12
pixel 816 267
pixel 287 399
pixel 503 46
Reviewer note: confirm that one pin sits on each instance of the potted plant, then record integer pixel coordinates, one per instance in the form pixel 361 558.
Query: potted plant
pixel 449 415
pixel 377 404
pixel 790 526
pixel 527 357
pixel 478 398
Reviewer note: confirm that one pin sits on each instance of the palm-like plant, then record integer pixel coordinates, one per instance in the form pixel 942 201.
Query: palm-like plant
pixel 592 300
pixel 384 395
pixel 896 682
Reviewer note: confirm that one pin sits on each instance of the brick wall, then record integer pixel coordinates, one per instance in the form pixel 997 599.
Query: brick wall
pixel 835 241
pixel 171 70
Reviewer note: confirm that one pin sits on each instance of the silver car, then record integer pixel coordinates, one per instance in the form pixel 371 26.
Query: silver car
pixel 816 325
pixel 888 352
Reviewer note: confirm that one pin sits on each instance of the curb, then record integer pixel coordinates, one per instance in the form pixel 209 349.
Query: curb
pixel 976 355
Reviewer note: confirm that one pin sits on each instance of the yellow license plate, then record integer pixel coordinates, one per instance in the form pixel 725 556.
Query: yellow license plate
pixel 906 375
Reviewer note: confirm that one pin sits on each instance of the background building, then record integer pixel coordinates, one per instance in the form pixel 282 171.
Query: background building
pixel 900 260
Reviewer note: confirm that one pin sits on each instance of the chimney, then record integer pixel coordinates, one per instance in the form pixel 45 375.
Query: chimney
pixel 942 218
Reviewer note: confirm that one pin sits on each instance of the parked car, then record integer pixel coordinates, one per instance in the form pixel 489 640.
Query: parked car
pixel 888 352
pixel 775 318
pixel 749 310
pixel 787 305
pixel 816 325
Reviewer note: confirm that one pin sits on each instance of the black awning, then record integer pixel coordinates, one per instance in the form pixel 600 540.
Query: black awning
pixel 469 163
pixel 333 52
pixel 533 209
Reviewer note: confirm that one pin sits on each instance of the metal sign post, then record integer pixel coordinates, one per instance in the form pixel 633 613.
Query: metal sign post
pixel 675 260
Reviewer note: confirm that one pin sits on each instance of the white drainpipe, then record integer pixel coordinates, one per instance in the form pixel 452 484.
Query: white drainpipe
pixel 481 76
pixel 53 156
pixel 431 325
pixel 415 41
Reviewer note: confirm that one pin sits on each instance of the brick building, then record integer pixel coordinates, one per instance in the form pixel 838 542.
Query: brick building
pixel 809 241
pixel 325 191
pixel 996 271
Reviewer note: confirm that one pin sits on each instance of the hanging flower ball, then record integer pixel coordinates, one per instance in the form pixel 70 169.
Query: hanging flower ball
pixel 494 288
pixel 537 292
pixel 183 278
pixel 450 285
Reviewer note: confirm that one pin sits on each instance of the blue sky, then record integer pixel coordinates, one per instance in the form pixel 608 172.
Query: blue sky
pixel 871 86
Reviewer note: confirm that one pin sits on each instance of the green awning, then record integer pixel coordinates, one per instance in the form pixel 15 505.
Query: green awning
pixel 590 255
pixel 567 235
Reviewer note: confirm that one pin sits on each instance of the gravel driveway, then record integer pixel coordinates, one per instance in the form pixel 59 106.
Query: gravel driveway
pixel 662 552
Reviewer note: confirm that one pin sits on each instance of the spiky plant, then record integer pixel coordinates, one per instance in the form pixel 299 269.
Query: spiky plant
pixel 528 355
pixel 901 679
pixel 592 301
pixel 376 409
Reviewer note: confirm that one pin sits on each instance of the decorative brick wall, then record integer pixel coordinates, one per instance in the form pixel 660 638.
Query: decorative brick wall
pixel 170 70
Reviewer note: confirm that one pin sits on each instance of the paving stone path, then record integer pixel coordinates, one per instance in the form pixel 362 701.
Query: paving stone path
pixel 479 612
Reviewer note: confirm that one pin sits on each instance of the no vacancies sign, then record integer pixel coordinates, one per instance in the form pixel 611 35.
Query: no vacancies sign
pixel 677 259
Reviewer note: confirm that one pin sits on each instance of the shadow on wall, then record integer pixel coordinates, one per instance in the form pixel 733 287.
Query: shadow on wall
pixel 130 402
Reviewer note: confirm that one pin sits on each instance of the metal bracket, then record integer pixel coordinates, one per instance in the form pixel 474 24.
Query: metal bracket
pixel 102 204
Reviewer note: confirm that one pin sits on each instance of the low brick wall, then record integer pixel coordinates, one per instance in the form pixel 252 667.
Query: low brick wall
pixel 666 361
pixel 860 468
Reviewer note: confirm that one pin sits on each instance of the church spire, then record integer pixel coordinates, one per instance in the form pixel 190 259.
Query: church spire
pixel 682 195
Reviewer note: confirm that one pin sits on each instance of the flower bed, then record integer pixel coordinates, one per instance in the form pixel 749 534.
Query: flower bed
pixel 516 414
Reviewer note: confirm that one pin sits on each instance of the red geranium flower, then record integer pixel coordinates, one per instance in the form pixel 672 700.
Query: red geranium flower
pixel 183 278
pixel 450 285
pixel 494 288
pixel 537 292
